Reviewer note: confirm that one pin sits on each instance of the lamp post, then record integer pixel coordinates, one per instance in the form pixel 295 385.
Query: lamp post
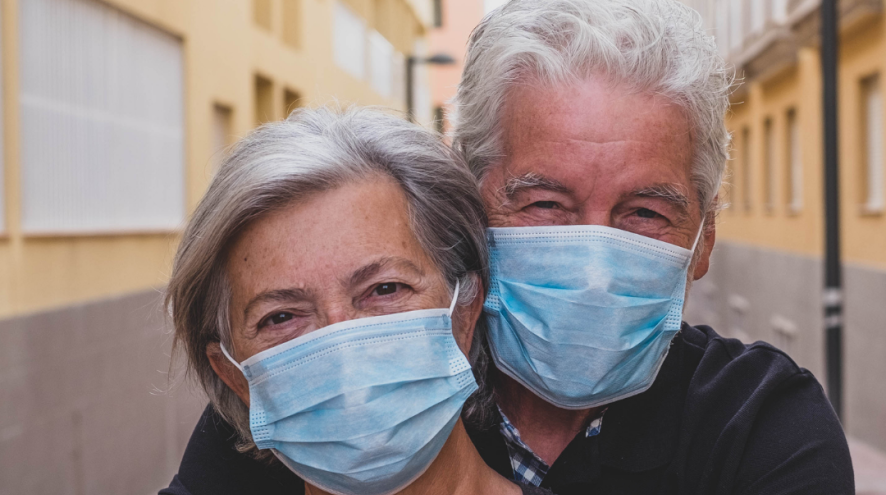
pixel 411 62
pixel 833 293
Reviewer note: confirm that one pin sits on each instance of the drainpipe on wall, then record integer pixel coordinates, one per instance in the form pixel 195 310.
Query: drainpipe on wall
pixel 833 293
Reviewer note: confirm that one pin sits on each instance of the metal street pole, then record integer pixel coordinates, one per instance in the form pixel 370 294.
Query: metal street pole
pixel 833 293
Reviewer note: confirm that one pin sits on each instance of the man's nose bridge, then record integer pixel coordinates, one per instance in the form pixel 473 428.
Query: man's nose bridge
pixel 594 215
pixel 337 312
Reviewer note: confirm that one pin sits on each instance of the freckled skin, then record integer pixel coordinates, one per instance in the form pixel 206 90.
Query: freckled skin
pixel 316 245
pixel 602 143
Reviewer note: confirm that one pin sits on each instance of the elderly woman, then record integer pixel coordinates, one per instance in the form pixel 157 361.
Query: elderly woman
pixel 326 292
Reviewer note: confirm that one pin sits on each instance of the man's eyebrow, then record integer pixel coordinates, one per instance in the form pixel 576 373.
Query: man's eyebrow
pixel 368 271
pixel 672 193
pixel 276 295
pixel 531 180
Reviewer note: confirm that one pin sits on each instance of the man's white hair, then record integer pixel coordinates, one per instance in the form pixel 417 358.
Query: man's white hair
pixel 651 46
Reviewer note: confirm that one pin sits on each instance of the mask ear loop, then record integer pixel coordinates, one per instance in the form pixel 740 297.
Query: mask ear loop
pixel 235 363
pixel 697 238
pixel 454 298
pixel 698 235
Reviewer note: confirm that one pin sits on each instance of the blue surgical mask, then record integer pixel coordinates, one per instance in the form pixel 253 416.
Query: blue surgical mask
pixel 362 406
pixel 583 315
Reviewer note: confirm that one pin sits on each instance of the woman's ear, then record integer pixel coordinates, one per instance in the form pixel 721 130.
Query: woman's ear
pixel 228 373
pixel 465 317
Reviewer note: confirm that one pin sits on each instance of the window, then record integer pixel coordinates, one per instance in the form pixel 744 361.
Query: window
pixel 398 70
pixel 438 13
pixel 746 169
pixel 222 133
pixel 291 101
pixel 736 35
pixel 262 13
pixel 349 43
pixel 292 23
pixel 758 15
pixel 872 111
pixel 795 164
pixel 780 10
pixel 102 117
pixel 769 165
pixel 728 187
pixel 440 120
pixel 381 64
pixel 722 27
pixel 423 110
pixel 264 100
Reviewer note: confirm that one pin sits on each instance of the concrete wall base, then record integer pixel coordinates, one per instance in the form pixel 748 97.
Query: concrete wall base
pixel 85 401
pixel 753 293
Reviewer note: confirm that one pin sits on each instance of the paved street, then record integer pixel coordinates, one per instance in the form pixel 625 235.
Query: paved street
pixel 870 468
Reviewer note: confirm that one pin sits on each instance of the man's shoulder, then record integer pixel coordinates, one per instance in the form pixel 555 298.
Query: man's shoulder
pixel 753 415
pixel 725 377
pixel 711 358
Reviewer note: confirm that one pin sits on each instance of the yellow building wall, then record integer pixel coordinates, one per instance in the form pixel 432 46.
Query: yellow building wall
pixel 224 50
pixel 862 54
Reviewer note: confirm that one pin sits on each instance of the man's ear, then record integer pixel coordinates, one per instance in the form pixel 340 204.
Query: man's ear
pixel 228 373
pixel 710 237
pixel 465 318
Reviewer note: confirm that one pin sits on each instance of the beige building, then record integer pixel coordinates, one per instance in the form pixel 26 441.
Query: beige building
pixel 115 113
pixel 454 20
pixel 767 273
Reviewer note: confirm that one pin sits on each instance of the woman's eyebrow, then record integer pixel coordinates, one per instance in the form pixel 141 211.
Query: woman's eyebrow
pixel 368 271
pixel 276 295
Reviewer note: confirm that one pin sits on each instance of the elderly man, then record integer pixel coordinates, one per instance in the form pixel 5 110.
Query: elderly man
pixel 597 130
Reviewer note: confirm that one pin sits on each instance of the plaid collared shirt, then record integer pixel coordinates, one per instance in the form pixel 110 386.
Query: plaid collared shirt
pixel 528 468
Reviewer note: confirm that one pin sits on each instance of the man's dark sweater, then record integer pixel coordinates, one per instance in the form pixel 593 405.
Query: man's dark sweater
pixel 721 418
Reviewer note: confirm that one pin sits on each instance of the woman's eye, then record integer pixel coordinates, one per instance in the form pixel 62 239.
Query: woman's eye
pixel 385 289
pixel 646 213
pixel 545 205
pixel 277 318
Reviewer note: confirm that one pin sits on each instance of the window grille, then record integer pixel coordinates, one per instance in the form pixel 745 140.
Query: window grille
pixel 102 111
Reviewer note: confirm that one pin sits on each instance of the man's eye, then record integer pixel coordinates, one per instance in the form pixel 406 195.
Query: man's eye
pixel 385 289
pixel 545 205
pixel 646 213
pixel 277 318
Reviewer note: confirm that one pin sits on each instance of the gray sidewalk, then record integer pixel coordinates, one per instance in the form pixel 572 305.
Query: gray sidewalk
pixel 870 468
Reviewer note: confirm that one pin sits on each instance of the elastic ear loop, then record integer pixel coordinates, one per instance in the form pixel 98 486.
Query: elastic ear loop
pixel 454 298
pixel 697 238
pixel 235 363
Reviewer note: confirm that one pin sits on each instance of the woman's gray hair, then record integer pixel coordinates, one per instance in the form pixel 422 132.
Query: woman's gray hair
pixel 650 46
pixel 284 162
